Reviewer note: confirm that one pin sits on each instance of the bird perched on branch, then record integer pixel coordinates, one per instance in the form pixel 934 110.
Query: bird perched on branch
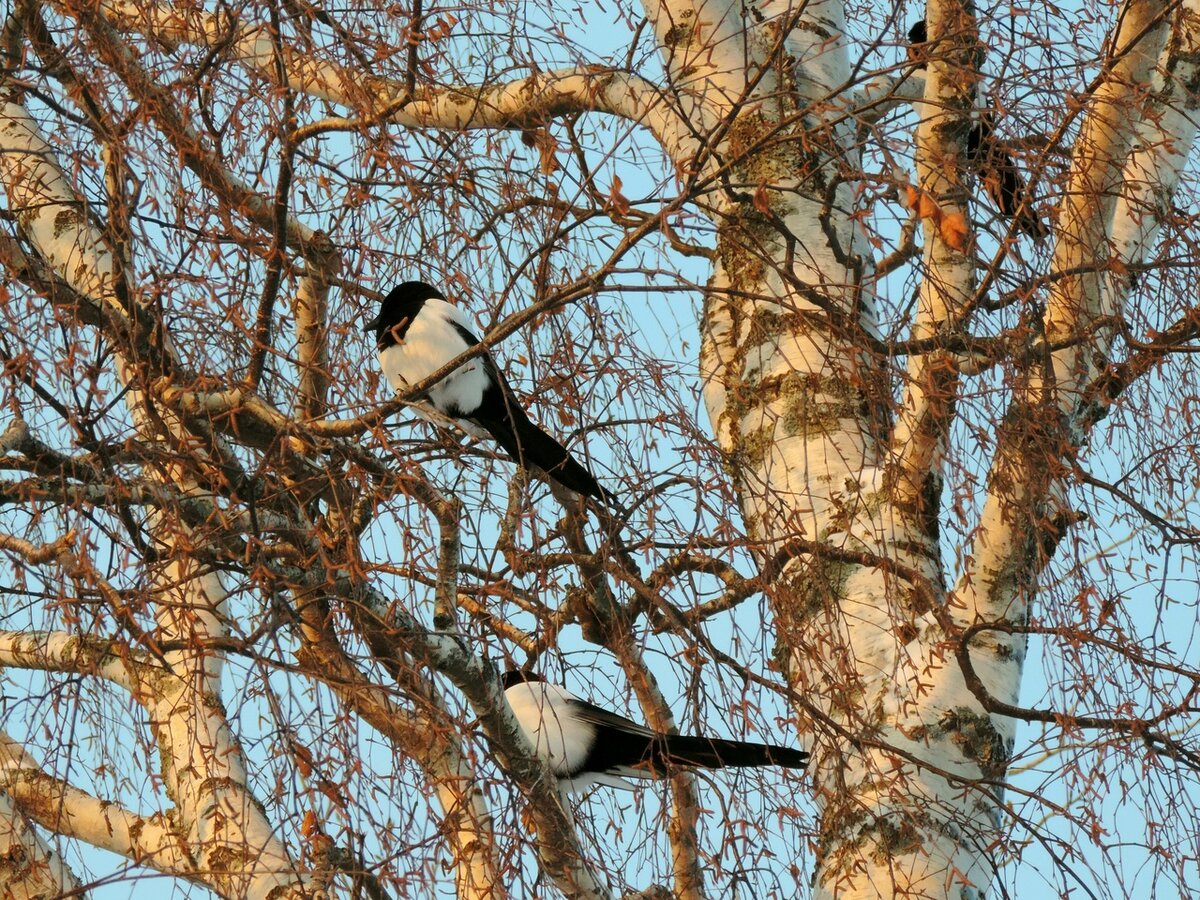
pixel 586 745
pixel 988 156
pixel 417 332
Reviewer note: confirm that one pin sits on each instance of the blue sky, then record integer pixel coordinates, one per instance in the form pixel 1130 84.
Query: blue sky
pixel 1107 795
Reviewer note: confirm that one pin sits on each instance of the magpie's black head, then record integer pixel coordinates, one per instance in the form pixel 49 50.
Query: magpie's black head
pixel 518 676
pixel 400 306
pixel 917 37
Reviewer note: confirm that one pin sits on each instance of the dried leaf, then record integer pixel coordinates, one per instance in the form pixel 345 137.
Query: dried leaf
pixel 927 207
pixel 308 827
pixel 304 760
pixel 617 201
pixel 955 231
pixel 331 791
pixel 761 202
pixel 547 153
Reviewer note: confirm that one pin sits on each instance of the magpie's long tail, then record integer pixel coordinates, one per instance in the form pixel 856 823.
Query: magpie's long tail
pixel 718 753
pixel 528 444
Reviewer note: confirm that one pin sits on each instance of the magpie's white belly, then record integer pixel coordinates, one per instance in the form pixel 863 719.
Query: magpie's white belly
pixel 430 343
pixel 557 736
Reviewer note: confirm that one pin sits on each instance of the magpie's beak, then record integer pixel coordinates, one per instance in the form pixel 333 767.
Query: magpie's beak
pixel 373 324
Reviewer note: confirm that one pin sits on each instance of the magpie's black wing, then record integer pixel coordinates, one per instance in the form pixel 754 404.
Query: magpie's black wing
pixel 622 746
pixel 596 715
pixel 626 743
pixel 503 418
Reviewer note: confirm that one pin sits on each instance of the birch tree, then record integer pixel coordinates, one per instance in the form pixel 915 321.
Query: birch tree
pixel 901 481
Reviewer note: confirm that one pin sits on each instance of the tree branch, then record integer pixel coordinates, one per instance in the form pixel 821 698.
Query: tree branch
pixel 59 651
pixel 1108 129
pixel 521 103
pixel 196 156
pixel 616 634
pixel 914 471
pixel 1042 428
pixel 558 847
pixel 312 324
pixel 426 735
pixel 29 866
pixel 201 763
pixel 63 809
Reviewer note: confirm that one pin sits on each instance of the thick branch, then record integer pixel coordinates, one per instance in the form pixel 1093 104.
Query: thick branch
pixel 1041 430
pixel 1165 137
pixel 919 440
pixel 30 869
pixel 1095 179
pixel 520 103
pixel 147 840
pixel 312 337
pixel 58 651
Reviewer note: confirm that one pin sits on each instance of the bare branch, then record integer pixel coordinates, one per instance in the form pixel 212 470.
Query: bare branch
pixel 312 324
pixel 37 554
pixel 62 652
pixel 557 844
pixel 202 161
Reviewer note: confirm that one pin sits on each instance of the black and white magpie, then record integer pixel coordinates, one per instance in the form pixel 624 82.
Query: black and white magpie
pixel 585 745
pixel 987 154
pixel 1001 178
pixel 417 332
